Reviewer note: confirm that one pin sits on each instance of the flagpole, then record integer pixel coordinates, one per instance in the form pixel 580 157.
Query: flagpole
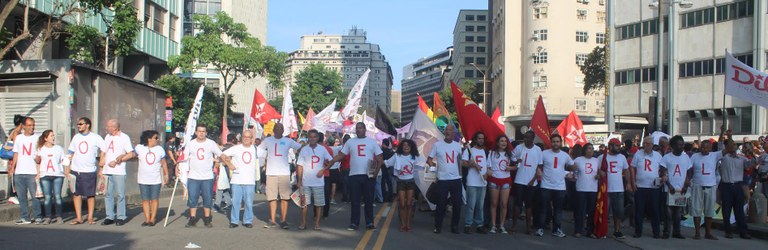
pixel 724 111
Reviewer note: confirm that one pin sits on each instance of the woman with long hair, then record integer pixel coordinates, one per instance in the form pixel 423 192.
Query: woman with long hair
pixel 404 163
pixel 586 190
pixel 500 182
pixel 52 174
pixel 152 173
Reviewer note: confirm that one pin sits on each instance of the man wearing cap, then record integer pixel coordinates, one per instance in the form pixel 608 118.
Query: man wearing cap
pixel 618 182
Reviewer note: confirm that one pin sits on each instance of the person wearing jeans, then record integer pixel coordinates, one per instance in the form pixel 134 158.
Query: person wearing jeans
pixel 645 170
pixel 445 157
pixel 586 191
pixel 553 188
pixel 51 174
pixel 475 160
pixel 118 147
pixel 677 167
pixel 200 153
pixel 245 173
pixel 24 172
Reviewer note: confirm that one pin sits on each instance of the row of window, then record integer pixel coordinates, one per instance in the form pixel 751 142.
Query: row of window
pixel 480 39
pixel 586 2
pixel 581 105
pixel 724 13
pixel 644 28
pixel 581 14
pixel 685 70
pixel 475 60
pixel 473 49
pixel 581 36
pixel 475 17
pixel 470 28
pixel 472 73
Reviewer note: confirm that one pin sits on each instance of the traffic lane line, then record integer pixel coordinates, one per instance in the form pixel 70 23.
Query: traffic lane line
pixel 384 229
pixel 368 233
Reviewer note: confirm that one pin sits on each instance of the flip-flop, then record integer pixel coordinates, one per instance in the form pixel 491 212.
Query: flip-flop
pixel 302 227
pixel 316 229
pixel 75 222
pixel 91 223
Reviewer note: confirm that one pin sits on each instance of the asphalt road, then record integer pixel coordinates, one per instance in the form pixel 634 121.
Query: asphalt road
pixel 332 236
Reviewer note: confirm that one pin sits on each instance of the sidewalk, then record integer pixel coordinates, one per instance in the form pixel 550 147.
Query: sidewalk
pixel 756 230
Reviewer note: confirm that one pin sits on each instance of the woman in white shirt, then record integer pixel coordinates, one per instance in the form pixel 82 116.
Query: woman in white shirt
pixel 500 181
pixel 152 173
pixel 404 162
pixel 586 190
pixel 52 174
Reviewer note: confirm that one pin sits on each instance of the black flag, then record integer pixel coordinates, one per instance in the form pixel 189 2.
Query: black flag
pixel 383 122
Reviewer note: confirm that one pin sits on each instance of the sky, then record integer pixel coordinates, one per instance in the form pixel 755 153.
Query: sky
pixel 406 30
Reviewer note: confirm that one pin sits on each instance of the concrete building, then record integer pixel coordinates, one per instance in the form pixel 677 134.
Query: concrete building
pixel 470 48
pixel 424 77
pixel 396 111
pixel 701 31
pixel 536 47
pixel 251 13
pixel 350 55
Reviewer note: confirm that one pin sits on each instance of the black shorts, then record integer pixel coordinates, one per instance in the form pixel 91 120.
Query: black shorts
pixel 524 195
pixel 407 185
pixel 85 184
pixel 335 176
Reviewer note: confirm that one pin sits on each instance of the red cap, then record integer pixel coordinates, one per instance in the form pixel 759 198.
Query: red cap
pixel 614 141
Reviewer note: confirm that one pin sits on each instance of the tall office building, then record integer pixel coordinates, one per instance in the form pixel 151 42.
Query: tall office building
pixel 424 77
pixel 470 48
pixel 536 47
pixel 701 33
pixel 350 55
pixel 396 110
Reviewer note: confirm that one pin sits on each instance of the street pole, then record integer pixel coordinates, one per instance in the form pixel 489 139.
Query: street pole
pixel 672 65
pixel 659 67
pixel 610 74
pixel 485 88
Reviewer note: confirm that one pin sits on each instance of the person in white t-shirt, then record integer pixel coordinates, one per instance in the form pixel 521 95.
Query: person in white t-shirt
pixel 365 158
pixel 644 181
pixel 526 160
pixel 404 163
pixel 151 175
pixel 118 146
pixel 499 182
pixel 278 173
pixel 52 174
pixel 200 153
pixel 245 174
pixel 83 150
pixel 704 188
pixel 617 176
pixel 474 158
pixel 586 190
pixel 24 171
pixel 336 178
pixel 678 167
pixel 445 156
pixel 555 165
pixel 310 170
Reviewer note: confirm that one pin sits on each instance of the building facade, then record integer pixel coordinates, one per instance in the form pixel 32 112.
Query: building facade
pixel 533 54
pixel 424 77
pixel 396 110
pixel 251 13
pixel 701 32
pixel 470 48
pixel 349 55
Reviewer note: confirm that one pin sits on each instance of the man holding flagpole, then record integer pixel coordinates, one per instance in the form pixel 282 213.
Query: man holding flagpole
pixel 616 170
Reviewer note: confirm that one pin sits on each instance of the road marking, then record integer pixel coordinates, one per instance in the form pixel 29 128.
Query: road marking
pixel 337 210
pixel 368 233
pixel 384 229
pixel 100 247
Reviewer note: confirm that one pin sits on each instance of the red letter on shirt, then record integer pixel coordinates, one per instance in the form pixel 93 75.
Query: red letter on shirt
pixel 525 161
pixel 360 149
pixel 315 159
pixel 50 165
pixel 200 154
pixel 589 168
pixel 26 150
pixel 555 163
pixel 450 158
pixel 648 165
pixel 276 154
pixel 677 171
pixel 111 146
pixel 702 170
pixel 613 167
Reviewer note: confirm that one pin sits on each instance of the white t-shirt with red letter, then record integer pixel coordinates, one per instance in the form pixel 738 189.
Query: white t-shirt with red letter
pixel 554 169
pixel 312 161
pixel 677 168
pixel 200 155
pixel 705 168
pixel 116 146
pixel 84 150
pixel 244 159
pixel 50 161
pixel 447 157
pixel 278 153
pixel 585 180
pixel 150 164
pixel 361 152
pixel 529 159
pixel 646 168
pixel 616 164
pixel 25 150
pixel 475 177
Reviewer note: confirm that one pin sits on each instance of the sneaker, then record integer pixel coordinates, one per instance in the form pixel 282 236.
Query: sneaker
pixel 467 230
pixel 437 230
pixel 119 222
pixel 284 225
pixel 352 227
pixel 13 200
pixel 333 202
pixel 39 221
pixel 248 225
pixel 493 230
pixel 745 236
pixel 232 225
pixel 618 235
pixel 207 221
pixel 23 222
pixel 192 222
pixel 481 230
pixel 678 236
pixel 503 230
pixel 107 222
pixel 370 227
pixel 539 232
pixel 558 233
pixel 270 225
pixel 59 220
pixel 47 221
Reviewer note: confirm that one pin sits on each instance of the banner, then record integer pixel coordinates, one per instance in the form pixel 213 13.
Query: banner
pixel 572 130
pixel 540 123
pixel 498 119
pixel 309 124
pixel 425 108
pixel 323 119
pixel 194 114
pixel 424 132
pixel 744 82
pixel 383 122
pixel 261 111
pixel 472 119
pixel 289 115
pixel 353 100
pixel 601 209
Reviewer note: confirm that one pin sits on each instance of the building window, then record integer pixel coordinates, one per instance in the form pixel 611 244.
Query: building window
pixel 581 59
pixel 540 12
pixel 540 58
pixel 469 59
pixel 539 81
pixel 600 16
pixel 172 28
pixel 602 2
pixel 540 34
pixel 581 15
pixel 582 36
pixel 480 61
pixel 480 49
pixel 585 2
pixel 581 105
pixel 481 17
pixel 481 39
pixel 469 49
pixel 600 38
pixel 469 17
pixel 469 28
pixel 481 28
pixel 470 73
pixel 469 38
pixel 697 18
pixel 600 106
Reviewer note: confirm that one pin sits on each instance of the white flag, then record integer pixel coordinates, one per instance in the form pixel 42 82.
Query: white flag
pixel 194 114
pixel 289 116
pixel 353 100
pixel 323 119
pixel 424 132
pixel 744 82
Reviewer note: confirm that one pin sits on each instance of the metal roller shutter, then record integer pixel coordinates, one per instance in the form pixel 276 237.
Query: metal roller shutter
pixel 29 100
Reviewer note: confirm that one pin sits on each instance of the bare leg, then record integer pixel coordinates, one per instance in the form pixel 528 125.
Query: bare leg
pixel 504 201
pixel 528 220
pixel 153 210
pixel 409 207
pixel 494 206
pixel 318 214
pixel 192 212
pixel 333 192
pixel 272 210
pixel 304 217
pixel 283 210
pixel 206 212
pixel 91 204
pixel 403 205
pixel 78 200
pixel 145 208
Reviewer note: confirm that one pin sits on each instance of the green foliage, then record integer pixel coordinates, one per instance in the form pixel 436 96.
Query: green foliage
pixel 183 91
pixel 312 85
pixel 470 88
pixel 125 28
pixel 594 69
pixel 81 42
pixel 277 103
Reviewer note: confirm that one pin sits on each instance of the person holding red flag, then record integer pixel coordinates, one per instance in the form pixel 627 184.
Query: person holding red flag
pixel 616 168
pixel 526 159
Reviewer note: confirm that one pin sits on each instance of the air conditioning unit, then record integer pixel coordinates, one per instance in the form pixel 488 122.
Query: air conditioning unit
pixel 582 12
pixel 534 54
pixel 535 36
pixel 585 1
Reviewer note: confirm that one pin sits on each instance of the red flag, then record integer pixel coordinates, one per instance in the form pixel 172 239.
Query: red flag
pixel 472 119
pixel 572 130
pixel 425 108
pixel 261 111
pixel 309 120
pixel 540 123
pixel 601 209
pixel 498 119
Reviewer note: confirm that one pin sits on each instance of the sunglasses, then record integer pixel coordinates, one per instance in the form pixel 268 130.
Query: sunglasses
pixel 80 124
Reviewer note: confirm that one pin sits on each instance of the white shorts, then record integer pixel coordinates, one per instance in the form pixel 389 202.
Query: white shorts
pixel 703 201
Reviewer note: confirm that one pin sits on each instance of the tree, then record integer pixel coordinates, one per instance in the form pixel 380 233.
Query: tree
pixel 183 91
pixel 468 87
pixel 7 39
pixel 594 69
pixel 313 85
pixel 230 49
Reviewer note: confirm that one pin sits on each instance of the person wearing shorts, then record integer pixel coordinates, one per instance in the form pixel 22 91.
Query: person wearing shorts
pixel 404 161
pixel 200 154
pixel 500 182
pixel 526 159
pixel 617 176
pixel 83 150
pixel 311 169
pixel 152 173
pixel 278 174
pixel 704 189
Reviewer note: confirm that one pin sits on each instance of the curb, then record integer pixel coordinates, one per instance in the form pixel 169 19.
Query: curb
pixel 752 230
